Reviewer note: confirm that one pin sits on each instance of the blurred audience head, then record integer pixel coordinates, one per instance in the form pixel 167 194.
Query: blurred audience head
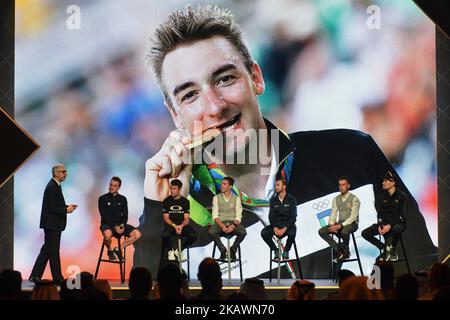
pixel 69 294
pixel 443 293
pixel 406 287
pixel 45 290
pixel 140 283
pixel 254 289
pixel 10 284
pixel 210 275
pixel 343 275
pixel 104 287
pixel 355 288
pixel 170 282
pixel 424 283
pixel 439 276
pixel 302 290
pixel 86 280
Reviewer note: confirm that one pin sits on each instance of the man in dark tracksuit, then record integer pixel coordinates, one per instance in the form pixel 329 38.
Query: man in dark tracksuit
pixel 113 209
pixel 391 211
pixel 53 221
pixel 282 217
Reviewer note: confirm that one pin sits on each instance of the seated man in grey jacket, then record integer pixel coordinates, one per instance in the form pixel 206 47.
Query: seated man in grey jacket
pixel 347 204
pixel 227 215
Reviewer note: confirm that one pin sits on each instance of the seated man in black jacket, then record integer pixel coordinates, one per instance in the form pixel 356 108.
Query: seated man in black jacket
pixel 282 217
pixel 391 210
pixel 113 209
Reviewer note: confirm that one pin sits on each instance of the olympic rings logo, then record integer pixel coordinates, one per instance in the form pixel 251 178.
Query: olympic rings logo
pixel 319 206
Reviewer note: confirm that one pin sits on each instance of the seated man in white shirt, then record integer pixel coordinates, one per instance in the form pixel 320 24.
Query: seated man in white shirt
pixel 227 214
pixel 347 204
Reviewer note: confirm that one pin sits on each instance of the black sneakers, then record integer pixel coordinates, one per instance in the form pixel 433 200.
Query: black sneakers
pixel 391 254
pixel 223 254
pixel 111 255
pixel 383 255
pixel 118 253
pixel 34 279
pixel 232 254
pixel 343 255
pixel 276 254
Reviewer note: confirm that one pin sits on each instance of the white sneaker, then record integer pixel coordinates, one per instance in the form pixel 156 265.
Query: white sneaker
pixel 179 256
pixel 171 255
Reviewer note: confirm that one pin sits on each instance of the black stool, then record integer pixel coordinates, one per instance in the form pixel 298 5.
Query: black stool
pixel 228 260
pixel 164 253
pixel 405 256
pixel 120 262
pixel 279 260
pixel 334 271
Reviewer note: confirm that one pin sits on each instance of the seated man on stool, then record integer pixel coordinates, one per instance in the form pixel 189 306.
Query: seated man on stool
pixel 176 222
pixel 227 214
pixel 391 210
pixel 113 209
pixel 347 204
pixel 282 217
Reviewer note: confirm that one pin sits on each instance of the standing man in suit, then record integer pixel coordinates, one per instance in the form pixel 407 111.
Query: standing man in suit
pixel 53 221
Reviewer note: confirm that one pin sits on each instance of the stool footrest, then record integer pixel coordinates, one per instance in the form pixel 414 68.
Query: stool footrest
pixel 399 260
pixel 226 260
pixel 348 260
pixel 175 261
pixel 283 260
pixel 108 261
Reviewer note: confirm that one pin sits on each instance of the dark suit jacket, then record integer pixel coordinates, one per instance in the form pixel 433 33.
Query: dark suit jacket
pixel 54 208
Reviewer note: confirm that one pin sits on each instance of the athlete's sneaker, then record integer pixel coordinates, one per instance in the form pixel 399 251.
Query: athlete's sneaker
pixel 232 254
pixel 180 256
pixel 276 254
pixel 111 255
pixel 223 254
pixel 171 255
pixel 118 253
pixel 383 255
pixel 392 254
pixel 344 255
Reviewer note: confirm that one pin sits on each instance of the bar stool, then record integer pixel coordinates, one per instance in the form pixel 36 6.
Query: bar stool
pixel 228 259
pixel 405 256
pixel 120 262
pixel 279 260
pixel 179 261
pixel 334 271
